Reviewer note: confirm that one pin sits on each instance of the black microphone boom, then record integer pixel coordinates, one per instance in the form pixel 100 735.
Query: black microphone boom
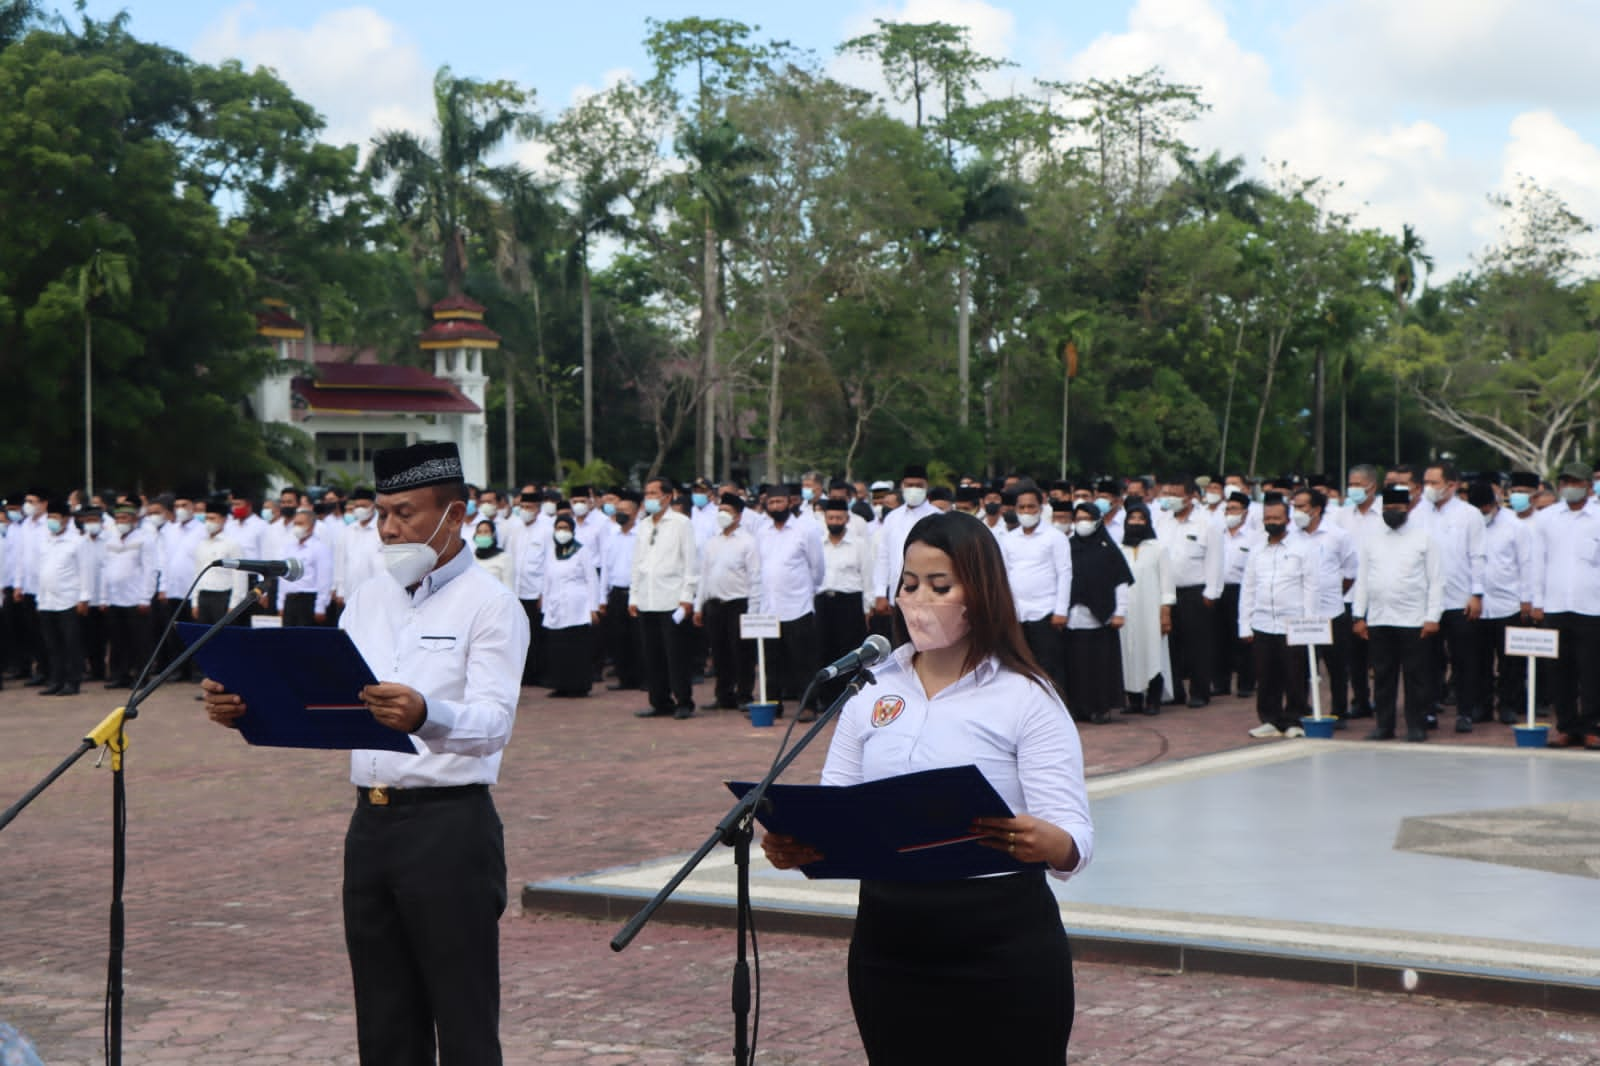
pixel 874 649
pixel 293 569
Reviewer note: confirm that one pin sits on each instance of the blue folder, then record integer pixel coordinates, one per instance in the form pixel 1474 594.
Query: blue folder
pixel 302 686
pixel 908 828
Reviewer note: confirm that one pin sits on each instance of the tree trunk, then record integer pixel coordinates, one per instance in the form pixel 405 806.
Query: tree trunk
pixel 1319 419
pixel 511 428
pixel 774 410
pixel 1227 407
pixel 1066 395
pixel 706 431
pixel 549 381
pixel 1274 346
pixel 588 360
pixel 964 339
pixel 88 407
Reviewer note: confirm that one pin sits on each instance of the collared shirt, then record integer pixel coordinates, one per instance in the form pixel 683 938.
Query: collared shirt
pixel 34 533
pixel 1336 562
pixel 791 569
pixel 178 541
pixel 892 547
pixel 1039 566
pixel 460 639
pixel 1567 561
pixel 1013 728
pixel 236 583
pixel 616 558
pixel 847 562
pixel 66 571
pixel 317 558
pixel 1458 528
pixel 357 558
pixel 1280 586
pixel 529 544
pixel 1508 571
pixel 730 569
pixel 1398 581
pixel 1194 545
pixel 665 567
pixel 570 593
pixel 130 566
pixel 1237 547
pixel 248 535
pixel 704 520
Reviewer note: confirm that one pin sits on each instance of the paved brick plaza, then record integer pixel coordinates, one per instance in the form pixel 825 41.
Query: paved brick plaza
pixel 235 951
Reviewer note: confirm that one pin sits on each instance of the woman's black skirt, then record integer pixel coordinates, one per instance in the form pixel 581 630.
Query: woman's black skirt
pixel 1094 672
pixel 569 658
pixel 974 971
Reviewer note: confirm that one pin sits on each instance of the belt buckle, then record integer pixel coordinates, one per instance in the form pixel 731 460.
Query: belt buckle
pixel 378 796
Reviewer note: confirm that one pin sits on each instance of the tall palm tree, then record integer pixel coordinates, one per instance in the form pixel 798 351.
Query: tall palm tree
pixel 442 187
pixel 1407 256
pixel 103 277
pixel 1215 186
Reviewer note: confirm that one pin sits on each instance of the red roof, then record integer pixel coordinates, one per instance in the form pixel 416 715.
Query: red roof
pixel 458 329
pixel 276 318
pixel 378 388
pixel 459 302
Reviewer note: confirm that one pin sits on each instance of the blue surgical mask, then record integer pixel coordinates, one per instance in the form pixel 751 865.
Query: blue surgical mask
pixel 53 525
pixel 15 516
pixel 472 508
pixel 1104 505
pixel 266 514
pixel 610 509
pixel 1170 504
pixel 810 494
pixel 652 505
pixel 700 499
pixel 349 518
pixel 1521 501
pixel 1356 495
pixel 1597 487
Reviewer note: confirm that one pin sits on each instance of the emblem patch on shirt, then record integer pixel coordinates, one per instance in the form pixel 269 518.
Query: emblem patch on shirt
pixel 886 710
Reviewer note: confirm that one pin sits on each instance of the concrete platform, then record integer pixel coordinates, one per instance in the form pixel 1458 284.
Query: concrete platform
pixel 1341 862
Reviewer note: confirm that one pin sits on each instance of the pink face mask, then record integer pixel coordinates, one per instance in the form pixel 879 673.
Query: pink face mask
pixel 935 625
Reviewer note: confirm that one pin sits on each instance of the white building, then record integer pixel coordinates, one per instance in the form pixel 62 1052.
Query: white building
pixel 352 405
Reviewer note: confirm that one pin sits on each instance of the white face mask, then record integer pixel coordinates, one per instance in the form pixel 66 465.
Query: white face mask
pixel 92 528
pixel 302 532
pixel 183 514
pixel 1301 519
pixel 1213 498
pixel 213 526
pixel 29 510
pixel 1084 528
pixel 487 510
pixel 155 521
pixel 410 563
pixel 1434 493
pixel 1234 521
pixel 362 513
pixel 562 536
pixel 724 519
pixel 1027 521
pixel 579 508
pixel 548 508
pixel 915 495
pixel 527 514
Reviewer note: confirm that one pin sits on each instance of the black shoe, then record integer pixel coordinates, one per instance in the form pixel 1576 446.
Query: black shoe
pixel 1359 711
pixel 1196 702
pixel 67 690
pixel 36 681
pixel 119 684
pixel 807 715
pixel 53 690
pixel 683 712
pixel 1463 724
pixel 1381 734
pixel 1416 736
pixel 1507 718
pixel 651 712
pixel 1152 709
pixel 1430 721
pixel 1100 717
pixel 1247 693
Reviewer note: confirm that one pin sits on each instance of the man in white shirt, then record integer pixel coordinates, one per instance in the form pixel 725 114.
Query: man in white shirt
pixel 730 586
pixel 1566 597
pixel 1280 586
pixel 1361 518
pixel 892 538
pixel 66 588
pixel 1194 546
pixel 841 605
pixel 661 594
pixel 1233 658
pixel 131 557
pixel 791 573
pixel 247 529
pixel 1039 568
pixel 527 539
pixel 30 534
pixel 1334 553
pixel 621 629
pixel 424 864
pixel 219 590
pixel 703 511
pixel 1108 497
pixel 92 521
pixel 356 556
pixel 1458 529
pixel 304 602
pixel 1507 601
pixel 1399 597
pixel 177 543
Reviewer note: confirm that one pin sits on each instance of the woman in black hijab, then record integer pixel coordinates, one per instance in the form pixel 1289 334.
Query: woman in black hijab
pixel 1100 584
pixel 1146 661
pixel 571 602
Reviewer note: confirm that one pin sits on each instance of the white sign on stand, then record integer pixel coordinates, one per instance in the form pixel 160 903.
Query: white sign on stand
pixel 1536 644
pixel 266 621
pixel 1310 631
pixel 760 628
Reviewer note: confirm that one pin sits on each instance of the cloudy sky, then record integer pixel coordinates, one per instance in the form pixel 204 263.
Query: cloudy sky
pixel 1420 109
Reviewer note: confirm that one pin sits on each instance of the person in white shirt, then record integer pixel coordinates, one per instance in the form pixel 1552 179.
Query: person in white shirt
pixel 703 511
pixel 1194 547
pixel 1234 661
pixel 1109 499
pixel 1458 529
pixel 131 558
pixel 1280 586
pixel 570 601
pixel 620 630
pixel 1507 601
pixel 1146 662
pixel 896 526
pixel 1101 585
pixel 247 529
pixel 30 534
pixel 729 588
pixel 424 861
pixel 177 543
pixel 1566 597
pixel 356 557
pixel 493 558
pixel 1361 517
pixel 791 573
pixel 661 594
pixel 1039 568
pixel 304 602
pixel 528 541
pixel 1399 596
pixel 1334 553
pixel 66 588
pixel 964 691
pixel 219 590
pixel 92 523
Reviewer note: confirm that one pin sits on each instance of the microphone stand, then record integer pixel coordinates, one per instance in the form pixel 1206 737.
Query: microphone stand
pixel 736 830
pixel 109 733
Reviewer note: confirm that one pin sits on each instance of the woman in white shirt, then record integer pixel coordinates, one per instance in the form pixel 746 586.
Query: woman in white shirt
pixel 973 970
pixel 1101 588
pixel 490 555
pixel 571 603
pixel 1146 661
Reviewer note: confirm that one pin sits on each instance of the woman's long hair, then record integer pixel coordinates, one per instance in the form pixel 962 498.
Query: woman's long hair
pixel 991 612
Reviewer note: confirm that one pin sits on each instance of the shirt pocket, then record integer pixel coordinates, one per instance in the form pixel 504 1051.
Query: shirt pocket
pixel 1194 548
pixel 437 645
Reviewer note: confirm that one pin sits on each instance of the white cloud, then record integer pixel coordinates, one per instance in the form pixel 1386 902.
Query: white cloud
pixel 361 71
pixel 1545 150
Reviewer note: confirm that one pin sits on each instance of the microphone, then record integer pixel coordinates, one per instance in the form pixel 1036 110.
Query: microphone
pixel 293 569
pixel 875 649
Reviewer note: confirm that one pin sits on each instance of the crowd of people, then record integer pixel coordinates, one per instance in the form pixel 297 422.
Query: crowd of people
pixel 1133 593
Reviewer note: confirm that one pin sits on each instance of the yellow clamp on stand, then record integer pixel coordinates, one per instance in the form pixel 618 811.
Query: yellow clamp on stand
pixel 108 734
